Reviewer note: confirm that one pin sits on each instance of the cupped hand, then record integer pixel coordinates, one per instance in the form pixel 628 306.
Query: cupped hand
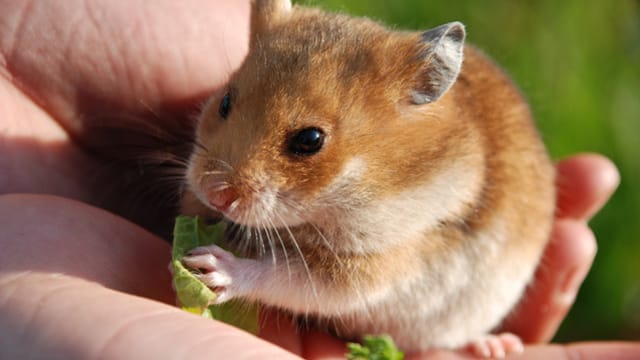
pixel 80 282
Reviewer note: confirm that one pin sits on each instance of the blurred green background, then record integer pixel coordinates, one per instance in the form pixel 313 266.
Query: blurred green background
pixel 578 63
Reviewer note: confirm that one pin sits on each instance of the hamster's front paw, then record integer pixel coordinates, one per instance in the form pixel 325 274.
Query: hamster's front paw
pixel 216 267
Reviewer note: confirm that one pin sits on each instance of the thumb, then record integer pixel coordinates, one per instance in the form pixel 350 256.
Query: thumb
pixel 66 288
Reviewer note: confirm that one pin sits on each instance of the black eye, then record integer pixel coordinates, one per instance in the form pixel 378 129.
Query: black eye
pixel 225 105
pixel 307 141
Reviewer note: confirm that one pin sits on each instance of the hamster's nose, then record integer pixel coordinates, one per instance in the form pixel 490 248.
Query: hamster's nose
pixel 221 200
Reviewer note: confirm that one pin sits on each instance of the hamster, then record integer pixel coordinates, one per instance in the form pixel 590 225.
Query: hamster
pixel 375 181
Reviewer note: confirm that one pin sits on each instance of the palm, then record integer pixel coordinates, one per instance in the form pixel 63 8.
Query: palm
pixel 84 71
pixel 84 63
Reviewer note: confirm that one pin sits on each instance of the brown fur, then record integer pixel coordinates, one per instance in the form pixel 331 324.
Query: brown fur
pixel 352 77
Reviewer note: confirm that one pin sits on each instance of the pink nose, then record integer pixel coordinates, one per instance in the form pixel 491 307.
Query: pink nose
pixel 222 199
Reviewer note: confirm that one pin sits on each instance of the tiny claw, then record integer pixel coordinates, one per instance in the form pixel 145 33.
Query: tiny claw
pixel 200 250
pixel 204 262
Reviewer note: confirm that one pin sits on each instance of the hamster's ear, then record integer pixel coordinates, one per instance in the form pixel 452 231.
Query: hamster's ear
pixel 264 12
pixel 442 51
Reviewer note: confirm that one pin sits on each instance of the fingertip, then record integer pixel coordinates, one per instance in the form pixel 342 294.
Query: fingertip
pixel 585 182
pixel 572 243
pixel 607 172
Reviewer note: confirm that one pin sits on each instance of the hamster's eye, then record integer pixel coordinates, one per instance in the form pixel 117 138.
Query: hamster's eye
pixel 307 141
pixel 225 105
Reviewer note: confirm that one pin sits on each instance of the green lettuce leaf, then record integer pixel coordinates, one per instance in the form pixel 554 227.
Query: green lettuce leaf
pixel 374 348
pixel 193 295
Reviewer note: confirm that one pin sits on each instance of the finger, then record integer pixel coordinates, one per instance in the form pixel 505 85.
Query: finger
pixel 442 355
pixel 585 183
pixel 564 266
pixel 318 345
pixel 48 316
pixel 584 351
pixel 114 55
pixel 604 351
pixel 56 235
pixel 279 329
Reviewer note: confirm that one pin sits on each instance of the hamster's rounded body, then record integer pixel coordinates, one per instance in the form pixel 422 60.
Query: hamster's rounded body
pixel 378 183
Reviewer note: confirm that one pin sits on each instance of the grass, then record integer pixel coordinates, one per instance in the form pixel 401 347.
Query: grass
pixel 578 62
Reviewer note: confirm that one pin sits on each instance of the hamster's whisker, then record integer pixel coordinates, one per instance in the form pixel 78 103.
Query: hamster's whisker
pixel 258 241
pixel 197 145
pixel 294 242
pixel 265 230
pixel 285 253
pixel 261 248
pixel 297 209
pixel 262 242
pixel 224 164
pixel 339 322
pixel 200 154
pixel 234 205
pixel 272 245
pixel 291 206
pixel 173 173
pixel 220 186
pixel 171 179
pixel 328 245
pixel 215 172
pixel 242 238
pixel 159 156
pixel 250 238
pixel 363 300
pixel 259 238
pixel 232 230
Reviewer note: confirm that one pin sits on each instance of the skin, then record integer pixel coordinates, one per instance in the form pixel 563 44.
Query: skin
pixel 66 265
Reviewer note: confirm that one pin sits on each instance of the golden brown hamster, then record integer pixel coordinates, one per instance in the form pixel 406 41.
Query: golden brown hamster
pixel 379 181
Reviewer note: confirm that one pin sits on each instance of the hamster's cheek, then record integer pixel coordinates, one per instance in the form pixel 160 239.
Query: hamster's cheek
pixel 350 177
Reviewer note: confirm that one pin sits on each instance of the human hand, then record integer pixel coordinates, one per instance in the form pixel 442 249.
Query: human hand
pixel 66 68
pixel 85 283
